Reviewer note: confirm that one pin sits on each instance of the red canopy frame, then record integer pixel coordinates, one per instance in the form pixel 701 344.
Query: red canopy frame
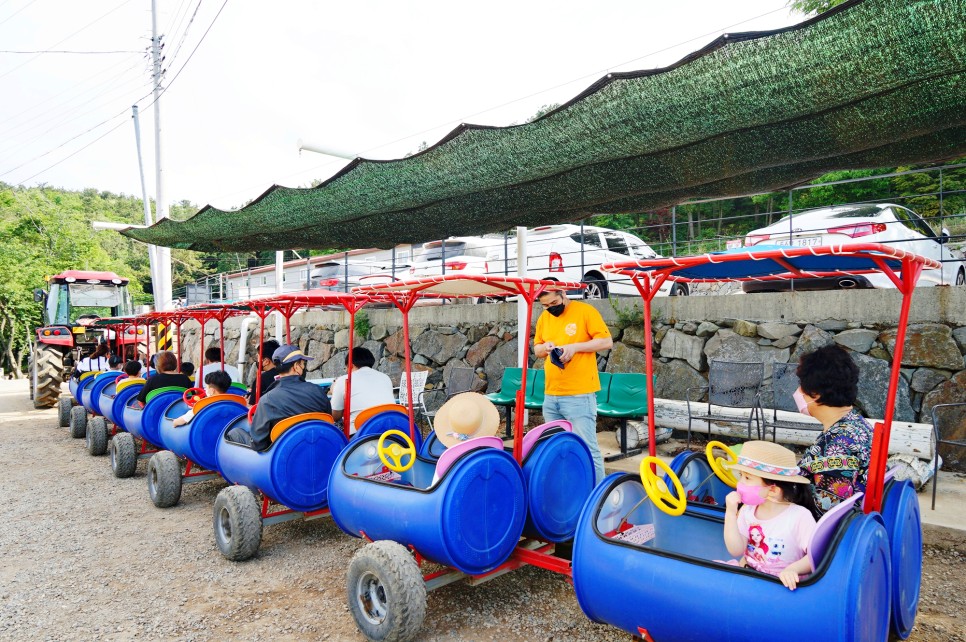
pixel 404 294
pixel 287 305
pixel 903 269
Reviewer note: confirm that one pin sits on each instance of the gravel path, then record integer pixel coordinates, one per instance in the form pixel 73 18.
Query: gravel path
pixel 87 556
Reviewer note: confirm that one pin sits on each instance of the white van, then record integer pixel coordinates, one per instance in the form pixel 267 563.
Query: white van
pixel 459 255
pixel 567 253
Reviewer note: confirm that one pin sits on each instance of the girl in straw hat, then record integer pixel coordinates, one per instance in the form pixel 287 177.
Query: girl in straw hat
pixel 773 527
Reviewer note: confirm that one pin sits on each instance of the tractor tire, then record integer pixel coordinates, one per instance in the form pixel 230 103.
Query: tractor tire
pixel 49 368
pixel 124 456
pixel 386 593
pixel 97 436
pixel 237 522
pixel 78 422
pixel 64 404
pixel 164 479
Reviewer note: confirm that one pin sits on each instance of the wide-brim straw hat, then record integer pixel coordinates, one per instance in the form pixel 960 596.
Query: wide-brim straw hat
pixel 466 416
pixel 769 461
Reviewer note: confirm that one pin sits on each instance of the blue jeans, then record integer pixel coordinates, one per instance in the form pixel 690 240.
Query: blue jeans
pixel 581 411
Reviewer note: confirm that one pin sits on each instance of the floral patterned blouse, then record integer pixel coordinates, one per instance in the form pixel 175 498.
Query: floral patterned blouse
pixel 838 461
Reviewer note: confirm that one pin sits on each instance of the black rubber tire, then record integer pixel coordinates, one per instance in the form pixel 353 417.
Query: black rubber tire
pixel 680 289
pixel 49 362
pixel 64 404
pixel 237 523
pixel 386 593
pixel 164 479
pixel 97 436
pixel 961 277
pixel 596 287
pixel 124 456
pixel 78 422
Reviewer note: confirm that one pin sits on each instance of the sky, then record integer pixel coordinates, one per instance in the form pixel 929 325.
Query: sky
pixel 245 80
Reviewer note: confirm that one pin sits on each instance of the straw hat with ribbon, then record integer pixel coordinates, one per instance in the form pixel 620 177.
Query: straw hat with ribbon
pixel 466 416
pixel 769 461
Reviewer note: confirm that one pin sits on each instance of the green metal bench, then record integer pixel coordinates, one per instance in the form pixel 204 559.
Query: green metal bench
pixel 506 397
pixel 626 399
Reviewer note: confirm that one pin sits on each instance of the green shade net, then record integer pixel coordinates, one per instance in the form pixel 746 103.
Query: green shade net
pixel 872 83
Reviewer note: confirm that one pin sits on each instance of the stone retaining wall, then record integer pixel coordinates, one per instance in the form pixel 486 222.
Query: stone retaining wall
pixel 688 332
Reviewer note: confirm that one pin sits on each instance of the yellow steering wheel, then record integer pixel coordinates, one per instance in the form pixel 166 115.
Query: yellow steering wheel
pixel 396 452
pixel 721 465
pixel 656 488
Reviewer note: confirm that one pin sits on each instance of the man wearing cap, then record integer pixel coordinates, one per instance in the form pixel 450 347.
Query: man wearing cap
pixel 291 395
pixel 574 332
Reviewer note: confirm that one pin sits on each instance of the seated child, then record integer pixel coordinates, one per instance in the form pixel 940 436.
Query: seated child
pixel 132 368
pixel 217 382
pixel 772 529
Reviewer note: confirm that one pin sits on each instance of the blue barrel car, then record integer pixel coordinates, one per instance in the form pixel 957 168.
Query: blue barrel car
pixel 293 473
pixel 195 442
pixel 141 438
pixel 77 419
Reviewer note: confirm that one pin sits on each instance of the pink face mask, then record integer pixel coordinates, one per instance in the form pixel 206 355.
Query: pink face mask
pixel 752 495
pixel 801 402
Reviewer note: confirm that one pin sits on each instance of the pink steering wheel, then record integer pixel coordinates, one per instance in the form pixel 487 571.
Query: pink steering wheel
pixel 118 380
pixel 192 395
pixel 251 413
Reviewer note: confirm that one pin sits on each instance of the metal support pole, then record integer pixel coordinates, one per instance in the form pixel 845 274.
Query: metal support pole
pixel 674 231
pixel 582 241
pixel 442 255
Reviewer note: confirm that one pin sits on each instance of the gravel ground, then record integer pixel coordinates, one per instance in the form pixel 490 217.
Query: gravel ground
pixel 87 556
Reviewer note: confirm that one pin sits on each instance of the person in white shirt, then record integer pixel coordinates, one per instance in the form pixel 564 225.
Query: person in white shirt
pixel 213 363
pixel 96 361
pixel 369 387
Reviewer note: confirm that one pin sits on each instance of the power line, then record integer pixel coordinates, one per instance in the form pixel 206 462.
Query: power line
pixel 178 73
pixel 25 126
pixel 10 17
pixel 50 167
pixel 70 118
pixel 89 24
pixel 63 51
pixel 184 34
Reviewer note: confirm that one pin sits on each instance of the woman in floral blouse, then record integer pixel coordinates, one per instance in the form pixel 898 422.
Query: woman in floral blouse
pixel 838 461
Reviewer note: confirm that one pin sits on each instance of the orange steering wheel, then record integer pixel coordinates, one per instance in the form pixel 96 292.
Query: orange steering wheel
pixel 192 395
pixel 721 465
pixel 396 452
pixel 657 489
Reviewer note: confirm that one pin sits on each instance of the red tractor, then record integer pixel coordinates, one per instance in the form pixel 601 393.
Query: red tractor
pixel 73 301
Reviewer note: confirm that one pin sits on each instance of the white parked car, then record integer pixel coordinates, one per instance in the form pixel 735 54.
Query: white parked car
pixel 869 223
pixel 459 255
pixel 567 253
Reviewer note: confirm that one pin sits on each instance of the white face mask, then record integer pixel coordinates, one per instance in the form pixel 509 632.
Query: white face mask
pixel 801 402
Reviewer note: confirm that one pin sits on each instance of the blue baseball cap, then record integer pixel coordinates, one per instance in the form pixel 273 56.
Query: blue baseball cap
pixel 289 354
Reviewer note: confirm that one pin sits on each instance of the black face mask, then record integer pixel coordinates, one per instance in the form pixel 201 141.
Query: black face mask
pixel 556 310
pixel 302 374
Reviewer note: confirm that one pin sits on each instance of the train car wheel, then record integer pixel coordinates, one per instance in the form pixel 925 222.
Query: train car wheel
pixel 386 593
pixel 124 457
pixel 64 404
pixel 237 522
pixel 78 422
pixel 97 436
pixel 164 479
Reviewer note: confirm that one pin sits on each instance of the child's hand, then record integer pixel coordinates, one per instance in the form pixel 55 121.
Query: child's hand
pixel 789 579
pixel 732 501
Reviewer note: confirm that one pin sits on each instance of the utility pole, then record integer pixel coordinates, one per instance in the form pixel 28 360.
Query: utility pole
pixel 152 249
pixel 162 288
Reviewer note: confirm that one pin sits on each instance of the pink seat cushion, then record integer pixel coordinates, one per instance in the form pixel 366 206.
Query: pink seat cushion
pixel 826 527
pixel 453 453
pixel 533 436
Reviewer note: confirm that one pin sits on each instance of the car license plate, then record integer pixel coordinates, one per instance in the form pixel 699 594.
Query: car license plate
pixel 803 241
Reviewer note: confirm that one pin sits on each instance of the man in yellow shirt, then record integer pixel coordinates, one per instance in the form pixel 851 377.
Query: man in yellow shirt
pixel 571 333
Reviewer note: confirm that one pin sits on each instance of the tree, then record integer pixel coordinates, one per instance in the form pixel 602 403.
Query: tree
pixel 814 7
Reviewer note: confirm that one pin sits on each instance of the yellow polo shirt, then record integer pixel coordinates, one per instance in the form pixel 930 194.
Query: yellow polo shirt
pixel 579 322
